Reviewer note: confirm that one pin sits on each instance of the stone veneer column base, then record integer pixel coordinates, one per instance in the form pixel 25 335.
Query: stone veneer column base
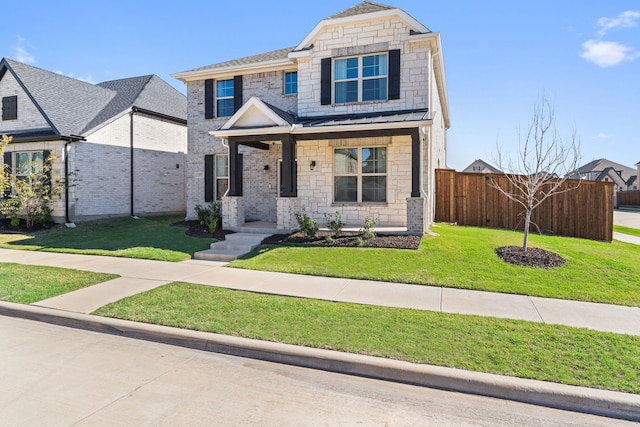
pixel 286 209
pixel 416 207
pixel 232 211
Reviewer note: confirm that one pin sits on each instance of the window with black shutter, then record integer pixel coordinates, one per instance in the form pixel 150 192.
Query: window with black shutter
pixel 10 108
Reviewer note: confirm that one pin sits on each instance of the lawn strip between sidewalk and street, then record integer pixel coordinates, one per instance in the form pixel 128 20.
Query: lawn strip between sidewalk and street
pixel 26 284
pixel 626 230
pixel 522 349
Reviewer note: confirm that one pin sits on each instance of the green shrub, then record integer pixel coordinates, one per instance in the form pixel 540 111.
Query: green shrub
pixel 334 223
pixel 368 228
pixel 210 215
pixel 308 226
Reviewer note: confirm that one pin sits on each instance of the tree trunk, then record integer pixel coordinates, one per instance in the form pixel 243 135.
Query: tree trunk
pixel 527 221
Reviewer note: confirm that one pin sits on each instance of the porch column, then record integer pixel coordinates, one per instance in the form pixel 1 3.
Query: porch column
pixel 235 169
pixel 415 163
pixel 289 170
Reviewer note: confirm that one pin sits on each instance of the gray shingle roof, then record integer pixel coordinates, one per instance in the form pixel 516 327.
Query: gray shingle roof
pixel 274 55
pixel 601 165
pixel 361 9
pixel 74 107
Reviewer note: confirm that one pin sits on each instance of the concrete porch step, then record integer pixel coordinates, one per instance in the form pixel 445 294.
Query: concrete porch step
pixel 232 247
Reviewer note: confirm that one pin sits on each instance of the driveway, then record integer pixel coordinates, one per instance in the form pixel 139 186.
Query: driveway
pixel 627 219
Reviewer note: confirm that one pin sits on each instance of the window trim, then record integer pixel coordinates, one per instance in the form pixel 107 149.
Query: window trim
pixel 359 176
pixel 288 85
pixel 360 78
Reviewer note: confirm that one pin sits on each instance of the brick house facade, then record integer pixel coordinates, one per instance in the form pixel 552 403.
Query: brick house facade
pixel 351 119
pixel 122 143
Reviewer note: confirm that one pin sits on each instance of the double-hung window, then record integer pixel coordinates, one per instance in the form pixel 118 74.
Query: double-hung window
pixel 360 175
pixel 291 83
pixel 361 78
pixel 224 98
pixel 29 165
pixel 221 175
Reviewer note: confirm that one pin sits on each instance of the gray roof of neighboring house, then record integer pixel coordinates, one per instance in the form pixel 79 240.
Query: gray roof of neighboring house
pixel 74 107
pixel 601 165
pixel 486 165
pixel 274 55
pixel 362 8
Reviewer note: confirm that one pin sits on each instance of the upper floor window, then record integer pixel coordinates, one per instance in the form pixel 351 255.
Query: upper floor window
pixel 291 83
pixel 361 78
pixel 224 98
pixel 10 108
pixel 477 168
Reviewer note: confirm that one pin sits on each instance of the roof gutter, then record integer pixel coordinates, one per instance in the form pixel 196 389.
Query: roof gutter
pixel 151 113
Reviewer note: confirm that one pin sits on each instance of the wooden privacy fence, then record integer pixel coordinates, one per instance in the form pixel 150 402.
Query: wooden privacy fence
pixel 629 198
pixel 470 199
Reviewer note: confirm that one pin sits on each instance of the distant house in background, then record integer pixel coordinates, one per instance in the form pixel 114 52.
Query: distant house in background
pixel 624 178
pixel 124 140
pixel 480 166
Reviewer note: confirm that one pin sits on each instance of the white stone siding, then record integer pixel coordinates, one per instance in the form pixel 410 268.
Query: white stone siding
pixel 102 167
pixel 315 188
pixel 391 32
pixel 29 117
pixel 57 169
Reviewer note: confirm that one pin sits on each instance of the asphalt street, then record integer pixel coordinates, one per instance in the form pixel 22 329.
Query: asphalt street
pixel 57 376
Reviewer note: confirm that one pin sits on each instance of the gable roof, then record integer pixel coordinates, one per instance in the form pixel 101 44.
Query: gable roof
pixel 361 8
pixel 600 165
pixel 74 107
pixel 482 163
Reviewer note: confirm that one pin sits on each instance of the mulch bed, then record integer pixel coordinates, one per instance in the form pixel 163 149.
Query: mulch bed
pixel 347 239
pixel 195 229
pixel 6 227
pixel 533 257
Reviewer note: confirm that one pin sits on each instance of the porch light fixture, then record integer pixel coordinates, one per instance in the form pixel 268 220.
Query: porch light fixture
pixel 312 165
pixel 265 169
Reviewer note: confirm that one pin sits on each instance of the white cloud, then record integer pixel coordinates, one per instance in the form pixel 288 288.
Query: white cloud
pixel 626 19
pixel 603 135
pixel 607 54
pixel 20 52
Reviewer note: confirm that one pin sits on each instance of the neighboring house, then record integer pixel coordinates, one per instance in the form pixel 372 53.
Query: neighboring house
pixel 480 166
pixel 121 142
pixel 351 119
pixel 625 178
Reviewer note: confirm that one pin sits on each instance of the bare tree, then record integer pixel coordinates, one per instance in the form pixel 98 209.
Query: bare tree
pixel 541 166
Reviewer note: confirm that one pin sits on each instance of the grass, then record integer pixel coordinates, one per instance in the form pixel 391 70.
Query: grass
pixel 464 257
pixel 26 284
pixel 626 230
pixel 147 238
pixel 508 347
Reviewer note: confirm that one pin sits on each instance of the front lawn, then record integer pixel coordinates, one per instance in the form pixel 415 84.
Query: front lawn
pixel 147 238
pixel 507 347
pixel 464 257
pixel 26 284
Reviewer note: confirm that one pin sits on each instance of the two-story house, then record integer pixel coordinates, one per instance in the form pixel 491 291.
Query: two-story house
pixel 351 119
pixel 120 144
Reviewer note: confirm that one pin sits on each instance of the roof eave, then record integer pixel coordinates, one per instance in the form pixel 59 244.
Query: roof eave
pixel 258 67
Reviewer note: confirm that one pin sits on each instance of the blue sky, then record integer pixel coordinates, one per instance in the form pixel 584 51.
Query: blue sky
pixel 499 56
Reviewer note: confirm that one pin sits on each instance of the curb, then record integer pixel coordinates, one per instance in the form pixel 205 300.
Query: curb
pixel 572 398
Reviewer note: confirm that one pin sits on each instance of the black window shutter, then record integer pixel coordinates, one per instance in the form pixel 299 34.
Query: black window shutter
pixel 325 81
pixel 46 182
pixel 208 178
pixel 7 167
pixel 208 99
pixel 394 74
pixel 10 108
pixel 237 93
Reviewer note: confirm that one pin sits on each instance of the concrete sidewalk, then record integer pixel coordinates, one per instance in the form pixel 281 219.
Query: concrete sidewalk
pixel 142 275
